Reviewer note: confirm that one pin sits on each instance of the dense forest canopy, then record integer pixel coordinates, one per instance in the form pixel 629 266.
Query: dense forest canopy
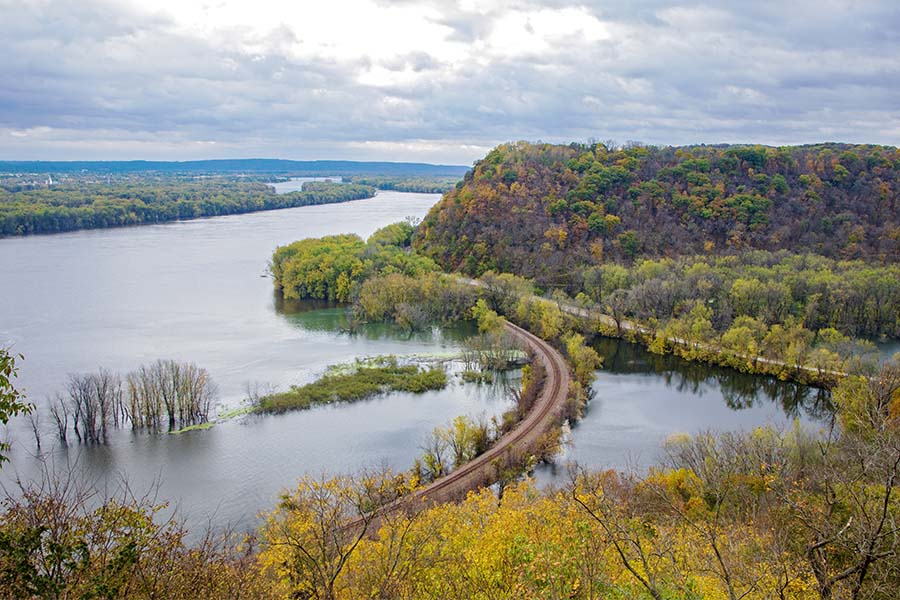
pixel 333 267
pixel 855 297
pixel 547 211
pixel 90 204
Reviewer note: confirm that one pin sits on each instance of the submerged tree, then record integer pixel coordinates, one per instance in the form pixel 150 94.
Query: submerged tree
pixel 180 393
pixel 95 401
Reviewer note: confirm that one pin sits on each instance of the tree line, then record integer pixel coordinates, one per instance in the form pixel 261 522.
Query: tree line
pixel 858 299
pixel 78 204
pixel 422 185
pixel 792 316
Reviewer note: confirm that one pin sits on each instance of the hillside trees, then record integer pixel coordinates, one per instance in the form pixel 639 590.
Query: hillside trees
pixel 547 212
pixel 58 540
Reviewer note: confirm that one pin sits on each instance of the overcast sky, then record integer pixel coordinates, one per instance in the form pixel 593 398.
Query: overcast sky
pixel 437 81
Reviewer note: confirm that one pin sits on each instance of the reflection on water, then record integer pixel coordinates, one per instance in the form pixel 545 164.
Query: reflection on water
pixel 640 398
pixel 321 315
pixel 739 391
pixel 887 348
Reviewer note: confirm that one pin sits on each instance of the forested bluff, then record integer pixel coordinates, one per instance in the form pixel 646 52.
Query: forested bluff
pixel 546 211
pixel 757 248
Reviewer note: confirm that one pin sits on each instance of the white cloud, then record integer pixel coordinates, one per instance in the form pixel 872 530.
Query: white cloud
pixel 437 79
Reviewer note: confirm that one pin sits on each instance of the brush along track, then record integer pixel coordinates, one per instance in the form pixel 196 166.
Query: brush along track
pixel 484 468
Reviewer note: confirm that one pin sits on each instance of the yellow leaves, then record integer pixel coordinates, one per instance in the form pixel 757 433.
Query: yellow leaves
pixel 678 483
pixel 894 408
pixel 583 359
pixel 612 221
pixel 536 544
pixel 596 248
pixel 557 236
pixel 488 320
pixel 342 288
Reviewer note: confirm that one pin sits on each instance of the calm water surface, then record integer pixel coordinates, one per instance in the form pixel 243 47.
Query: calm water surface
pixel 887 348
pixel 641 398
pixel 196 290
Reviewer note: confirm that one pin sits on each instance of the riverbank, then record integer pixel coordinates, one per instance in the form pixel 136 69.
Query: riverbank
pixel 77 206
pixel 596 322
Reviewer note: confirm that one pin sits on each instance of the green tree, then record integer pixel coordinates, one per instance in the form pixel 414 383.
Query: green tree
pixel 12 401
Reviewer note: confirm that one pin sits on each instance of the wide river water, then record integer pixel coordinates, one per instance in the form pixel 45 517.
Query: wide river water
pixel 197 291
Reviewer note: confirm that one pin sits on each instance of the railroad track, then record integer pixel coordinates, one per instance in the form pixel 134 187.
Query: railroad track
pixel 556 386
pixel 529 430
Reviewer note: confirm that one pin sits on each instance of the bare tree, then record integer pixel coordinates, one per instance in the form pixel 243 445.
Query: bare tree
pixel 59 411
pixel 34 419
pixel 180 393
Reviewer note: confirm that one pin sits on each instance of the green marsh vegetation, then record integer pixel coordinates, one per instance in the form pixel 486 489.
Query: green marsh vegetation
pixel 355 382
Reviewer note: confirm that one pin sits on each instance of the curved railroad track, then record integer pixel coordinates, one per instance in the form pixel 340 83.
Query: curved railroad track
pixel 482 469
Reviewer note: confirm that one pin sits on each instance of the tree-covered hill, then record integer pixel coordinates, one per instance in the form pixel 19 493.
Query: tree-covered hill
pixel 547 211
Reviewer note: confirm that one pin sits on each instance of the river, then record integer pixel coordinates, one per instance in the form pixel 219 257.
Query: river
pixel 198 291
pixel 639 399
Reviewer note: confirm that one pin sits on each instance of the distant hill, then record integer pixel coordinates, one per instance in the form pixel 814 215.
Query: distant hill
pixel 240 165
pixel 549 211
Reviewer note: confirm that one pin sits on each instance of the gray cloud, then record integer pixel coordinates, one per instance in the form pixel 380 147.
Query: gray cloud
pixel 98 80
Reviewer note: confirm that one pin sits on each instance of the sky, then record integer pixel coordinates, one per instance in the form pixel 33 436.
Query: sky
pixel 437 81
